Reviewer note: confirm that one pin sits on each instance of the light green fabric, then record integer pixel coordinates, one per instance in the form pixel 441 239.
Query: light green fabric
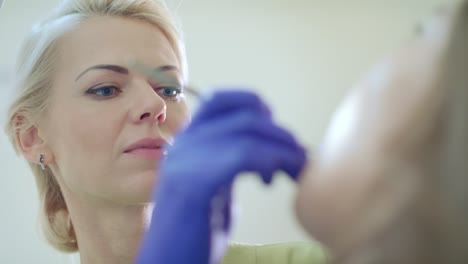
pixel 285 253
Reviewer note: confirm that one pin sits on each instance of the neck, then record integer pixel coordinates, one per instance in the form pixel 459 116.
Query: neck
pixel 109 234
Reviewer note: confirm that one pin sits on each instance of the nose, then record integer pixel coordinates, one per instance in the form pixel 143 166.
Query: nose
pixel 148 105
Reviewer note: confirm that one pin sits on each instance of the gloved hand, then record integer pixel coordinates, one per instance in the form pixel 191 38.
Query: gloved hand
pixel 233 132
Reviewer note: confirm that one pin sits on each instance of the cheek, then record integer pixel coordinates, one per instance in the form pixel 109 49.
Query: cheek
pixel 84 139
pixel 346 131
pixel 92 126
pixel 91 133
pixel 178 116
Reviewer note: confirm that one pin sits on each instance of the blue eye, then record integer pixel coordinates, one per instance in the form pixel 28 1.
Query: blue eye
pixel 106 91
pixel 169 91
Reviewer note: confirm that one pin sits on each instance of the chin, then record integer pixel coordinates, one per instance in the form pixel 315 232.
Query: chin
pixel 147 183
pixel 139 187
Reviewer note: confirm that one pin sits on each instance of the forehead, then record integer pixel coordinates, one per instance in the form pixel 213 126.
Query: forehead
pixel 116 40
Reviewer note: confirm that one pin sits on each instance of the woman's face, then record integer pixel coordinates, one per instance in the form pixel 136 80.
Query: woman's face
pixel 106 123
pixel 359 179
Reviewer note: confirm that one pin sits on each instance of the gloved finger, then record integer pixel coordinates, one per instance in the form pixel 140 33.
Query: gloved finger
pixel 254 154
pixel 243 122
pixel 221 207
pixel 217 103
pixel 267 157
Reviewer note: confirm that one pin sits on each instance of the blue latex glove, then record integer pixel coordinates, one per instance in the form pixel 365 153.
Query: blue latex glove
pixel 233 132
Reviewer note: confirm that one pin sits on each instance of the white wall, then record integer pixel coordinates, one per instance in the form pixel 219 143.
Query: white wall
pixel 301 55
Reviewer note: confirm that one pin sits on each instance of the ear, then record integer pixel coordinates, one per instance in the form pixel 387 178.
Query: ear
pixel 30 142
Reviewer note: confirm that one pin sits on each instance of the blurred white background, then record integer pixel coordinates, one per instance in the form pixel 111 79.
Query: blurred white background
pixel 301 55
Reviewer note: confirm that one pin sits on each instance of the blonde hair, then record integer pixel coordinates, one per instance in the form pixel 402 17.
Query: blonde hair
pixel 433 227
pixel 34 70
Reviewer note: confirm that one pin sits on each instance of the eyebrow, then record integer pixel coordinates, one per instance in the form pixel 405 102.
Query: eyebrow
pixel 123 70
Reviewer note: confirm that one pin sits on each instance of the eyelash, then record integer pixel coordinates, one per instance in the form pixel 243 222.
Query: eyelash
pixel 95 91
pixel 174 89
pixel 159 90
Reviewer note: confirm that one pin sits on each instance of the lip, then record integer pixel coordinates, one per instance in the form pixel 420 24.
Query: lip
pixel 147 148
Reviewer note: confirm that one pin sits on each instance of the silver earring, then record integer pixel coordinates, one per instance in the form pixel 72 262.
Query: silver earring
pixel 41 161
